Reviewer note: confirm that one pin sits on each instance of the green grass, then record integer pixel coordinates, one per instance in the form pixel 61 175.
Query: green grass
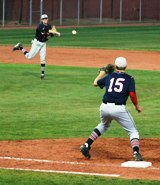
pixel 128 38
pixel 66 104
pixel 9 177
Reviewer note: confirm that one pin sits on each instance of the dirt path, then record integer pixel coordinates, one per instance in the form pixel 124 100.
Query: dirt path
pixel 86 57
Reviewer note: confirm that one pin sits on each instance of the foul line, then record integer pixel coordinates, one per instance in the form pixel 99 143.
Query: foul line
pixel 57 162
pixel 67 162
pixel 63 172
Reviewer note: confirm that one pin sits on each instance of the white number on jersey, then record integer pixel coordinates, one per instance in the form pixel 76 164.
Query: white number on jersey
pixel 118 86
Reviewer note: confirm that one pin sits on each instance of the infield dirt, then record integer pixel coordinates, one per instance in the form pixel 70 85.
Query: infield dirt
pixel 86 57
pixel 64 155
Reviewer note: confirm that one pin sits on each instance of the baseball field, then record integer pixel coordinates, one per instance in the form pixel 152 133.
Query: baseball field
pixel 44 122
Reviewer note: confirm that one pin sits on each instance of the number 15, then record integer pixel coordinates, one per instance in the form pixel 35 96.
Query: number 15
pixel 118 86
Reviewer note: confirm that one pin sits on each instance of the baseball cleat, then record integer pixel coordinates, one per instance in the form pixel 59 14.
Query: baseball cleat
pixel 85 151
pixel 137 156
pixel 18 46
pixel 42 76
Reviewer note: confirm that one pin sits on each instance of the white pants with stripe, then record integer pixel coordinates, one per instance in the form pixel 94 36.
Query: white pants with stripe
pixel 109 112
pixel 35 48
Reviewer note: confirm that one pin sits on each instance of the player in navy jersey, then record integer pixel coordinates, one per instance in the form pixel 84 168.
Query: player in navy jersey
pixel 39 43
pixel 119 86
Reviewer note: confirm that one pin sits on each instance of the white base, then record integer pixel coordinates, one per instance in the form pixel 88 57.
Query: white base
pixel 136 164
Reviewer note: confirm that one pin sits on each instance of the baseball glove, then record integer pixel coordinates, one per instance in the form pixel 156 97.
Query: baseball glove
pixel 54 31
pixel 108 69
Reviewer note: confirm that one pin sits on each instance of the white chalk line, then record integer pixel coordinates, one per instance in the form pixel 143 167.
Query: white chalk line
pixel 63 172
pixel 67 162
pixel 57 162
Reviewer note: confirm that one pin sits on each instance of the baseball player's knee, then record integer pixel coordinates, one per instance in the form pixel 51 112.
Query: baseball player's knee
pixel 102 128
pixel 28 56
pixel 43 62
pixel 134 135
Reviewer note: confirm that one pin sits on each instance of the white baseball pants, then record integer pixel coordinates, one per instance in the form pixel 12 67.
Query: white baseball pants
pixel 35 48
pixel 109 112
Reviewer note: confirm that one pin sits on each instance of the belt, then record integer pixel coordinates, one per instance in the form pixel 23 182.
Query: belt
pixel 40 40
pixel 113 103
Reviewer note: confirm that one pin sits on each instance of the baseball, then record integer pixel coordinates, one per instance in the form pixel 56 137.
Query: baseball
pixel 74 32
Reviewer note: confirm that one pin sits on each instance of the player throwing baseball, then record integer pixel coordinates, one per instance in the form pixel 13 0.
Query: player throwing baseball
pixel 43 32
pixel 119 85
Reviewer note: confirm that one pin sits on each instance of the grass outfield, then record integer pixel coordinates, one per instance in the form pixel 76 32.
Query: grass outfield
pixel 66 104
pixel 131 38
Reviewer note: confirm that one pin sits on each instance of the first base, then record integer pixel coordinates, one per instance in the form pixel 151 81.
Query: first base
pixel 136 164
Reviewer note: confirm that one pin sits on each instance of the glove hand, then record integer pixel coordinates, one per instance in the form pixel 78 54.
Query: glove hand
pixel 108 69
pixel 54 31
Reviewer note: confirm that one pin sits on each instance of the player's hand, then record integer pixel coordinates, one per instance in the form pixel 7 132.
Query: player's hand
pixel 100 75
pixel 108 69
pixel 58 33
pixel 54 31
pixel 138 108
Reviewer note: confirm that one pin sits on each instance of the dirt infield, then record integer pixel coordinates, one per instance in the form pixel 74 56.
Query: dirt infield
pixel 86 57
pixel 63 154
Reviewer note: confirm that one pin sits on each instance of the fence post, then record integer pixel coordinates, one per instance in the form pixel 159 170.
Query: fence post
pixel 101 10
pixel 30 13
pixel 41 8
pixel 60 12
pixel 140 10
pixel 78 12
pixel 120 16
pixel 3 14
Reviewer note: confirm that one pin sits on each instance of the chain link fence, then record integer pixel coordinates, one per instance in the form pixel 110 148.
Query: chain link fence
pixel 78 12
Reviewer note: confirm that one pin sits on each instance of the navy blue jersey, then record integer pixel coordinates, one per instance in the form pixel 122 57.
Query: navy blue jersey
pixel 118 85
pixel 42 32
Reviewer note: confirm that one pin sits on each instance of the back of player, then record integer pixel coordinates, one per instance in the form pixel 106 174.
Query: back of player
pixel 119 86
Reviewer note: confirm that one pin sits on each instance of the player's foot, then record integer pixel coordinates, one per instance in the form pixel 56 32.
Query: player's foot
pixel 85 151
pixel 18 46
pixel 137 156
pixel 42 76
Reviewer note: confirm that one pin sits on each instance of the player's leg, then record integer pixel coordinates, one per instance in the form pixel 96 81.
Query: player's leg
pixel 18 46
pixel 33 51
pixel 125 119
pixel 36 45
pixel 42 54
pixel 98 131
pixel 85 148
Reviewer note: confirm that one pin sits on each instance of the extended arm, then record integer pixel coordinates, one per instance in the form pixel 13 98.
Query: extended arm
pixel 54 31
pixel 134 100
pixel 103 71
pixel 101 75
